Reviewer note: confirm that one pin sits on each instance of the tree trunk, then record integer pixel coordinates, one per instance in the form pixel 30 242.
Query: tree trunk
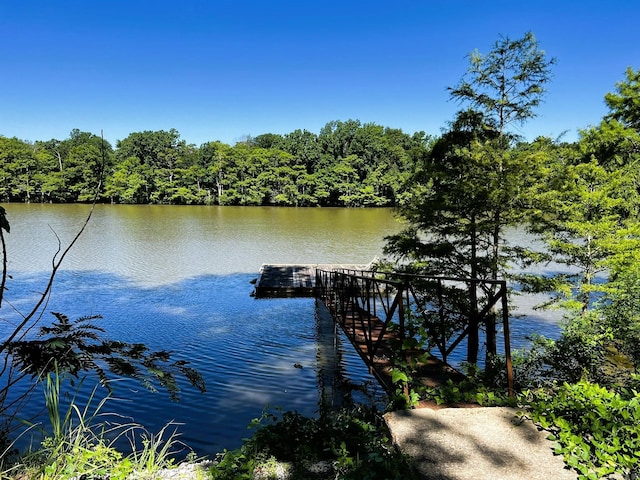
pixel 473 338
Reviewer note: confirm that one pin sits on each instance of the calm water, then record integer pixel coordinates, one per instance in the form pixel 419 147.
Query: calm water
pixel 178 278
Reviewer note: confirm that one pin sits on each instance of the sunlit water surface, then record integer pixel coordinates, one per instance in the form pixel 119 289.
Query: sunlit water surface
pixel 179 279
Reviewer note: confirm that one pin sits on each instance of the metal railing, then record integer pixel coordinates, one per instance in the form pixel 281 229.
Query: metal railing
pixel 437 309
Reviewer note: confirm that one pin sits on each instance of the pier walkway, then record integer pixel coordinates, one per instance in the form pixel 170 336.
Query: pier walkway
pixel 445 443
pixel 378 311
pixel 292 280
pixel 371 336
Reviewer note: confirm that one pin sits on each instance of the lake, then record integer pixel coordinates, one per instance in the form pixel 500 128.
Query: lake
pixel 179 278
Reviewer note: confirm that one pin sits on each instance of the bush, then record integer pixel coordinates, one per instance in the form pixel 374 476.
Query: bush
pixel 351 443
pixel 597 430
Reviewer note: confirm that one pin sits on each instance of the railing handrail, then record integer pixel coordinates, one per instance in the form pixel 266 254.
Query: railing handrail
pixel 394 307
pixel 421 276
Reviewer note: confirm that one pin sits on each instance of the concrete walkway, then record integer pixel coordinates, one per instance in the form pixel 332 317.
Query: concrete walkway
pixel 475 444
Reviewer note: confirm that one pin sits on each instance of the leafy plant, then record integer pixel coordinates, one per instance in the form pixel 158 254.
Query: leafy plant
pixel 597 430
pixel 79 443
pixel 78 347
pixel 408 391
pixel 407 355
pixel 468 391
pixel 348 443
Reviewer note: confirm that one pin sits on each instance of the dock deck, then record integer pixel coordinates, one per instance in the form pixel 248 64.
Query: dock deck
pixel 292 280
pixel 430 372
pixel 367 333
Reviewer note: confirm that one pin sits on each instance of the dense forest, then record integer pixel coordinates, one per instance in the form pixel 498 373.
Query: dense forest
pixel 347 164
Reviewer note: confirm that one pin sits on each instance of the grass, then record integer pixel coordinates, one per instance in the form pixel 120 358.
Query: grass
pixel 352 443
pixel 77 444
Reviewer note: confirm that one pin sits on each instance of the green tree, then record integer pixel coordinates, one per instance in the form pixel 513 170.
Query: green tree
pixel 161 152
pixel 586 224
pixel 450 208
pixel 474 179
pixel 508 83
pixel 70 170
pixel 18 167
pixel 83 172
pixel 129 182
pixel 621 310
pixel 49 178
pixel 216 159
pixel 348 180
pixel 624 104
pixel 304 147
pixel 267 140
pixel 589 208
pixel 250 165
pixel 363 165
pixel 590 229
pixel 336 138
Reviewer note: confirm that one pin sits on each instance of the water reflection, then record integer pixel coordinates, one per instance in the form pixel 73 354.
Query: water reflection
pixel 247 350
pixel 178 278
pixel 154 245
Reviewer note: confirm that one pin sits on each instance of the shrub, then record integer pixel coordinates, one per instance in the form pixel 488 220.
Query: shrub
pixel 597 430
pixel 351 443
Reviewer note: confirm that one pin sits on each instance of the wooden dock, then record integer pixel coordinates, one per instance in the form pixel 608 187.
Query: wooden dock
pixel 292 280
pixel 374 343
pixel 369 335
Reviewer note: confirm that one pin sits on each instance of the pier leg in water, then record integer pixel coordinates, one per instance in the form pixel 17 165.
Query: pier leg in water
pixel 328 356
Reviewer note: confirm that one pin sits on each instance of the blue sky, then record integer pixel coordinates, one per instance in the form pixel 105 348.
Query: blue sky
pixel 222 70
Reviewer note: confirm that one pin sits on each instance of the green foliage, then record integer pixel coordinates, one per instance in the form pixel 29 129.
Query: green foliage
pixel 347 444
pixel 588 215
pixel 71 446
pixel 474 183
pixel 591 347
pixel 597 430
pixel 157 452
pixel 625 103
pixel 508 82
pixel 77 346
pixel 622 313
pixel 468 391
pixel 456 208
pixel 77 445
pixel 407 355
pixel 588 225
pixel 603 343
pixel 348 164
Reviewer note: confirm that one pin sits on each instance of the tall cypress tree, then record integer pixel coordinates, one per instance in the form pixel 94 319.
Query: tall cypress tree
pixel 469 189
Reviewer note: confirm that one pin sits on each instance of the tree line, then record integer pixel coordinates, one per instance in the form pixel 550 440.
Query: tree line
pixel 348 164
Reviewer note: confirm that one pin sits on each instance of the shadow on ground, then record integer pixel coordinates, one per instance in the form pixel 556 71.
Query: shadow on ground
pixel 475 443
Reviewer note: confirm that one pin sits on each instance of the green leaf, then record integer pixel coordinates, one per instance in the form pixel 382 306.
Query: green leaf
pixel 398 376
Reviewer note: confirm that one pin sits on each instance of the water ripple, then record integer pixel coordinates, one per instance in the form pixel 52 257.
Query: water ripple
pixel 251 353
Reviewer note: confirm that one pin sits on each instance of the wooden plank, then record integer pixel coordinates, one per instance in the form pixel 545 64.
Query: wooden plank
pixel 431 373
pixel 292 280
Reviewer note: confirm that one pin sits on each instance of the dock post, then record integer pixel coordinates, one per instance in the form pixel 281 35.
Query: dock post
pixel 328 358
